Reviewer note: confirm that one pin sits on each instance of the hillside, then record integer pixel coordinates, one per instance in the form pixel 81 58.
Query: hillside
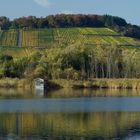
pixel 68 53
pixel 62 37
pixel 118 24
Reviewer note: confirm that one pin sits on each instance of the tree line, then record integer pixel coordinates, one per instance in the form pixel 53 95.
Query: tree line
pixel 72 20
pixel 74 62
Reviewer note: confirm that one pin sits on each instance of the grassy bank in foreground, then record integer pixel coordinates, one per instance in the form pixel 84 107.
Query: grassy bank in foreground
pixel 16 83
pixel 24 83
pixel 55 84
pixel 101 83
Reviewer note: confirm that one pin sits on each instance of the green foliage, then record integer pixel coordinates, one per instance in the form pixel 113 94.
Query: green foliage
pixel 75 62
pixel 5 58
pixel 11 67
pixel 40 71
pixel 71 53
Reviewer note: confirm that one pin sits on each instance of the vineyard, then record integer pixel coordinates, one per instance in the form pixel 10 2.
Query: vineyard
pixel 8 38
pixel 52 37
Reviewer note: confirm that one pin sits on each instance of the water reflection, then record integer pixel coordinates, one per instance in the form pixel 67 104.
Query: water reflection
pixel 66 93
pixel 16 93
pixel 65 116
pixel 65 126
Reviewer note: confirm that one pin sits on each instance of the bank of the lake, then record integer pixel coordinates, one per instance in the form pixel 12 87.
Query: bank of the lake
pixel 16 83
pixel 61 83
pixel 100 83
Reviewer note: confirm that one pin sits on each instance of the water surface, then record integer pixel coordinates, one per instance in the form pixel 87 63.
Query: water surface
pixel 70 115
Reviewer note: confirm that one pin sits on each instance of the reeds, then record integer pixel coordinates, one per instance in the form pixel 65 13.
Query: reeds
pixel 102 83
pixel 16 83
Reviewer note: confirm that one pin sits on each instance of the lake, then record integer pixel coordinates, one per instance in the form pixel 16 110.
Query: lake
pixel 68 114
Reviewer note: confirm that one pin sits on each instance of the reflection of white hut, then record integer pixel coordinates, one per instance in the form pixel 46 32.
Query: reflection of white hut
pixel 39 86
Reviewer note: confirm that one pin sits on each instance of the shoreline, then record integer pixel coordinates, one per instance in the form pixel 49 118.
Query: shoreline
pixel 75 84
pixel 100 84
pixel 16 83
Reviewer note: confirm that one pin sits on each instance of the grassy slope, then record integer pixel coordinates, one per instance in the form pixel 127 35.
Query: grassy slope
pixel 61 37
pixel 17 52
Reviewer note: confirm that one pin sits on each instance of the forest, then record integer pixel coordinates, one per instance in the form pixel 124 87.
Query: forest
pixel 78 20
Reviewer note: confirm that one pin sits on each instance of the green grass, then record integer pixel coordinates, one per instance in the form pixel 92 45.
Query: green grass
pixel 17 52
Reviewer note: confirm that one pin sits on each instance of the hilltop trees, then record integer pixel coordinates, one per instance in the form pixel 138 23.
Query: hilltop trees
pixel 75 21
pixel 72 20
pixel 62 20
pixel 132 31
pixel 114 21
pixel 5 23
pixel 25 22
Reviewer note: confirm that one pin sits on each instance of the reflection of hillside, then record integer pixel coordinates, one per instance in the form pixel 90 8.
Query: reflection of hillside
pixel 75 125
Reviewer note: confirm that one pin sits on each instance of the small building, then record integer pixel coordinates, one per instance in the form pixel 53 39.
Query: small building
pixel 40 86
pixel 39 83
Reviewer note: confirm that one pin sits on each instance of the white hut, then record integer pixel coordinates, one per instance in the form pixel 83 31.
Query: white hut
pixel 39 86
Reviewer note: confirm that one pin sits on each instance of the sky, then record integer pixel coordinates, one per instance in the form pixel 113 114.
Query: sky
pixel 128 9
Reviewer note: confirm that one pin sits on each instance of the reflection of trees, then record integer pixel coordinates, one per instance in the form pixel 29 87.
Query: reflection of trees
pixel 69 92
pixel 16 93
pixel 75 125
